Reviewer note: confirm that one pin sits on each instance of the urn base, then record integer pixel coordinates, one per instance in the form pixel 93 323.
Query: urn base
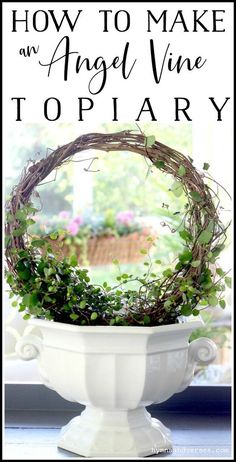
pixel 99 433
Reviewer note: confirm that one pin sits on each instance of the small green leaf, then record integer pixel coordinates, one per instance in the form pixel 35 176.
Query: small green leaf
pixel 212 300
pixel 158 262
pixel 115 261
pixel 38 243
pixel 196 196
pixel 146 319
pixel 19 231
pixel 48 315
pixel 14 304
pixel 119 292
pixel 30 300
pixel 26 317
pixel 24 274
pixel 22 307
pixel 53 236
pixel 82 304
pixel 48 271
pixel 32 209
pixel 167 273
pixel 186 256
pixel 115 308
pixel 159 164
pixel 143 251
pixel 30 222
pixel 73 260
pixel 93 316
pixel 21 214
pixel 195 263
pixel 167 304
pixel 10 218
pixel 125 276
pixel 206 166
pixel 220 272
pixel 205 237
pixel 150 239
pixel 10 279
pixel 228 281
pixel 211 225
pixel 181 170
pixel 26 299
pixel 47 298
pixel 177 189
pixel 195 312
pixel 216 252
pixel 74 316
pixel 33 300
pixel 150 140
pixel 186 310
pixel 222 303
pixel 185 235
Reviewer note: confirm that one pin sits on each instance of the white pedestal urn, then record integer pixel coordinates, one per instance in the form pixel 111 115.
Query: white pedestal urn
pixel 116 372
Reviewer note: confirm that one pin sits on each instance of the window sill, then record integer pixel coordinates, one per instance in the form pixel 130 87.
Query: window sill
pixel 195 399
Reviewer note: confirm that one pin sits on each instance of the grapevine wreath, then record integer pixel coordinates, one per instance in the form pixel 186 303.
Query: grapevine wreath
pixel 62 291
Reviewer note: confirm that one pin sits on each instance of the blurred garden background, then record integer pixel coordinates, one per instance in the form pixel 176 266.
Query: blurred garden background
pixel 113 196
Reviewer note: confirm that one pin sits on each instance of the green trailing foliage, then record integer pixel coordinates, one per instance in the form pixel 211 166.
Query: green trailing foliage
pixel 42 286
pixel 62 291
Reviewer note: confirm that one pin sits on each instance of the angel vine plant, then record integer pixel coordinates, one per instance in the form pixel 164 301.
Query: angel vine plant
pixel 62 291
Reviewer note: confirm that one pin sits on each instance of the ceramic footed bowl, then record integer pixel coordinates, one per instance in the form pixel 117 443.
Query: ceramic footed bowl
pixel 116 372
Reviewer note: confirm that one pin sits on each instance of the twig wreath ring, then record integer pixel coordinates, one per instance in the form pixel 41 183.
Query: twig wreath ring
pixel 43 284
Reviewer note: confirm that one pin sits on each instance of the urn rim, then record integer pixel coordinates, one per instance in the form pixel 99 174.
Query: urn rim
pixel 189 325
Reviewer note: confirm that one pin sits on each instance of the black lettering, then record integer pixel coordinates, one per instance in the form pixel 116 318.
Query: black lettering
pixel 14 20
pixel 219 109
pixel 181 21
pixel 18 108
pixel 114 110
pixel 45 19
pixel 163 17
pixel 184 109
pixel 105 19
pixel 58 109
pixel 149 109
pixel 65 15
pixel 215 20
pixel 82 108
pixel 127 21
pixel 196 20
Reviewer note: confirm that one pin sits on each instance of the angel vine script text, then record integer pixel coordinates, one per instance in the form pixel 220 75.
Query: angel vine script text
pixel 99 68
